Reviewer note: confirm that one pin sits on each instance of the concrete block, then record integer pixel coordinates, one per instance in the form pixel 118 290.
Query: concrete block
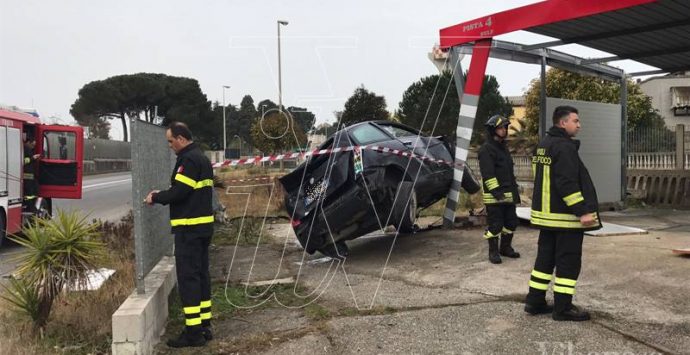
pixel 140 320
pixel 124 348
pixel 128 326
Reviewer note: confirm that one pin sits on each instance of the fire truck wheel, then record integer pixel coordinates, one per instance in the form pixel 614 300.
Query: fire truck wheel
pixel 3 225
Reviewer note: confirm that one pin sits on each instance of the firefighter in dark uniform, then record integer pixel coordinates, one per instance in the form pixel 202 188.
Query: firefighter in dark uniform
pixel 191 217
pixel 500 190
pixel 564 206
pixel 28 177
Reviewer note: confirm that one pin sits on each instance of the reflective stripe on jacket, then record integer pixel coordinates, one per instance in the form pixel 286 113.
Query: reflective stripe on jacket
pixel 190 192
pixel 563 189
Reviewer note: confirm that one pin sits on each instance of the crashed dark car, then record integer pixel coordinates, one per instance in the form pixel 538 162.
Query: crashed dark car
pixel 365 177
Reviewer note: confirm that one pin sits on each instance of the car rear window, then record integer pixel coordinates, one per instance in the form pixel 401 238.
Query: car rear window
pixel 398 132
pixel 367 133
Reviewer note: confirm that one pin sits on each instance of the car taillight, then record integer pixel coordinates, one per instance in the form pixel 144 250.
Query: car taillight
pixel 295 222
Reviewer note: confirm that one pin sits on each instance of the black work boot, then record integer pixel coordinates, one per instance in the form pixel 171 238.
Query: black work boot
pixel 188 339
pixel 206 329
pixel 541 308
pixel 207 333
pixel 494 258
pixel 506 247
pixel 572 313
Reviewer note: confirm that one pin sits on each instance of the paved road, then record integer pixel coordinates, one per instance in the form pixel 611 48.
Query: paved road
pixel 105 197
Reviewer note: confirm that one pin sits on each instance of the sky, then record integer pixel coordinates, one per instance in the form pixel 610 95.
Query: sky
pixel 50 49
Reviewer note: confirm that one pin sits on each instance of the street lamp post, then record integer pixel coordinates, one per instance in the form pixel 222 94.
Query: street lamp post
pixel 280 83
pixel 225 145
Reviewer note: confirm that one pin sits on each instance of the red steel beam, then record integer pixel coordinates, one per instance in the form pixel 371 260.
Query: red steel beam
pixel 532 15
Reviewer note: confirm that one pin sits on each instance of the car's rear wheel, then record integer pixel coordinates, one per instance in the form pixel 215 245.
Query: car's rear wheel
pixel 405 208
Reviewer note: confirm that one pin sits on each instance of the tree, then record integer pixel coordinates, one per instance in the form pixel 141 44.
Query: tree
pixel 303 117
pixel 245 119
pixel 211 133
pixel 98 127
pixel 138 96
pixel 362 106
pixel 432 105
pixel 572 86
pixel 266 106
pixel 276 132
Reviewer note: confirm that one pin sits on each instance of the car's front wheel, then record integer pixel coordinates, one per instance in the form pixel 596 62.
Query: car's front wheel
pixel 406 208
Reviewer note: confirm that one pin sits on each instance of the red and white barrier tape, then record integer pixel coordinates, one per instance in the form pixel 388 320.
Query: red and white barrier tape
pixel 272 158
pixel 254 179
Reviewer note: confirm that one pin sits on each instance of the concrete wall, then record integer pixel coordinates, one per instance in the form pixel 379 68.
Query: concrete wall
pixel 103 166
pixel 103 156
pixel 140 321
pixel 668 188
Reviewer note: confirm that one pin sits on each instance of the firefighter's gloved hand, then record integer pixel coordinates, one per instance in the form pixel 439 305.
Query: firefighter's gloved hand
pixel 498 195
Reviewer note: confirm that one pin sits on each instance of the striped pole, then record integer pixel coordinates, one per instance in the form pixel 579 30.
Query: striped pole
pixel 469 100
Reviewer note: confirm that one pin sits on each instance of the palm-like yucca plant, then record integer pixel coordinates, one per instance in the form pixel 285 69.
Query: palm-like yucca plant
pixel 58 253
pixel 23 296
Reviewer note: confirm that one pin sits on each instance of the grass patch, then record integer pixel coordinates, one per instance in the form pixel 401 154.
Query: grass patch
pixel 240 231
pixel 241 299
pixel 635 203
pixel 258 198
pixel 236 172
pixel 375 311
pixel 262 198
pixel 316 312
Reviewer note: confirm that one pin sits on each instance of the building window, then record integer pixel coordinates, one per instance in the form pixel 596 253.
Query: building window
pixel 681 100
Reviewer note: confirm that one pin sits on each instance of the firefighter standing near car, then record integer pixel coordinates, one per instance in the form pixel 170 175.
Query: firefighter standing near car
pixel 564 206
pixel 191 217
pixel 500 193
pixel 28 177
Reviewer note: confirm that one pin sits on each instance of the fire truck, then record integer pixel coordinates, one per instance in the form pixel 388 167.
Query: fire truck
pixel 57 171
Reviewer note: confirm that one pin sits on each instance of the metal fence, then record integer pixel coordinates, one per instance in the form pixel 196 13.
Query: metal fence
pixel 152 162
pixel 522 166
pixel 651 140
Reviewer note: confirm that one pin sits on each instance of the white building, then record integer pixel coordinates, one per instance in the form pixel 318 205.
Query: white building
pixel 671 96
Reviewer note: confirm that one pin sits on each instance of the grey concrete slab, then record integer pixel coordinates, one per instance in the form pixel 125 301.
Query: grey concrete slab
pixel 434 292
pixel 494 328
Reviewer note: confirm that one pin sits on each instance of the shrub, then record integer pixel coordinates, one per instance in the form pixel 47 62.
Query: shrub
pixel 58 254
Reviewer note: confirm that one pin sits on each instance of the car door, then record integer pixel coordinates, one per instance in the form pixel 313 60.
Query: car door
pixel 432 176
pixel 60 167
